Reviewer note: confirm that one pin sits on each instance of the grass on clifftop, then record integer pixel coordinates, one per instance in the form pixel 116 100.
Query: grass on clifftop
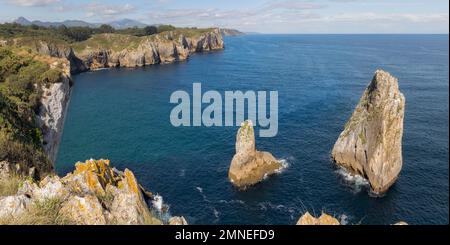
pixel 118 42
pixel 9 186
pixel 46 212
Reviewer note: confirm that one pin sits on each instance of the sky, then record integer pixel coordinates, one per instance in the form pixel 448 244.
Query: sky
pixel 263 16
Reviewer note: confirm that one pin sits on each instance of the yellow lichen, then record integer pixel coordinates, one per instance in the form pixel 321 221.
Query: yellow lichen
pixel 96 171
pixel 131 181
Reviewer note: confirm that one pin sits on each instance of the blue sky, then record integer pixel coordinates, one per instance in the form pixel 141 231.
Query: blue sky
pixel 265 16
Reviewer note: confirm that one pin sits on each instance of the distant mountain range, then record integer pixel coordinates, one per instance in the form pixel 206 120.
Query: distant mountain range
pixel 117 24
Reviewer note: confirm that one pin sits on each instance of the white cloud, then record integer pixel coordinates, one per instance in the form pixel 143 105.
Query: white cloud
pixel 107 10
pixel 32 3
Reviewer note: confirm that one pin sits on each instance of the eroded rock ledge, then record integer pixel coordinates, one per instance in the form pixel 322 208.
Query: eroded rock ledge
pixel 371 143
pixel 93 194
pixel 250 166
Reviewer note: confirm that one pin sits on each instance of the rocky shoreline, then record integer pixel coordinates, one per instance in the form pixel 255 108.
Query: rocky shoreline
pixel 80 192
pixel 163 49
pixel 126 51
pixel 96 193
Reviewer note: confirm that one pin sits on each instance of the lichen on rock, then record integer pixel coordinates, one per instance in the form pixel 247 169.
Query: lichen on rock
pixel 248 165
pixel 371 143
pixel 93 194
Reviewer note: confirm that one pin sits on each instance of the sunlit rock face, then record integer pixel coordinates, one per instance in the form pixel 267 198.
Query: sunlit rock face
pixel 371 143
pixel 324 219
pixel 250 166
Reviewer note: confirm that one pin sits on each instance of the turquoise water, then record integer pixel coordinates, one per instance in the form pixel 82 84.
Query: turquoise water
pixel 123 115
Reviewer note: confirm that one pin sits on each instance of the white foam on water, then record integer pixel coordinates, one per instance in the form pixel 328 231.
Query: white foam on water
pixel 200 190
pixel 355 181
pixel 216 213
pixel 344 219
pixel 158 203
pixel 284 165
pixel 232 202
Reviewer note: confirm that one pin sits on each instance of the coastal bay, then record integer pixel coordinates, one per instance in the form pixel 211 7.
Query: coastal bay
pixel 123 114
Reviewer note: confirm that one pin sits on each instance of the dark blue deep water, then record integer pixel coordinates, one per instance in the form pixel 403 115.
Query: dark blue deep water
pixel 123 115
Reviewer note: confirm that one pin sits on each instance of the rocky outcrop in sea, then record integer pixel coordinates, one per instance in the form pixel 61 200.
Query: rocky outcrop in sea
pixel 324 219
pixel 371 143
pixel 250 166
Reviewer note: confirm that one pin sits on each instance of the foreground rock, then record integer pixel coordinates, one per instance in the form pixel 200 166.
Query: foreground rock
pixel 250 166
pixel 324 219
pixel 371 143
pixel 93 194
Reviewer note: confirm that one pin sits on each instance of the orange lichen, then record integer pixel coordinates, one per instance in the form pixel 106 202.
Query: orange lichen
pixel 96 171
pixel 131 181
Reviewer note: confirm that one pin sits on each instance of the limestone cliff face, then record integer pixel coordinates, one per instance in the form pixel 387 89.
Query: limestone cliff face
pixel 371 143
pixel 61 51
pixel 93 194
pixel 158 49
pixel 250 166
pixel 54 103
pixel 126 51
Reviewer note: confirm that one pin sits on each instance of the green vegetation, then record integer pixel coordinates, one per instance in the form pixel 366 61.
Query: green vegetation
pixel 74 34
pixel 46 212
pixel 21 80
pixel 82 38
pixel 115 42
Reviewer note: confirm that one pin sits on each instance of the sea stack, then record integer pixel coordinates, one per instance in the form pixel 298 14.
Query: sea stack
pixel 371 143
pixel 250 166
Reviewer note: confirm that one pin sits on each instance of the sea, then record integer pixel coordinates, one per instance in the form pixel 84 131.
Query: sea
pixel 123 115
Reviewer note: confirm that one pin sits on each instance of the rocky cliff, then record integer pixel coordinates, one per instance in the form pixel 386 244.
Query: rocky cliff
pixel 93 194
pixel 52 111
pixel 117 50
pixel 108 50
pixel 250 166
pixel 371 143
